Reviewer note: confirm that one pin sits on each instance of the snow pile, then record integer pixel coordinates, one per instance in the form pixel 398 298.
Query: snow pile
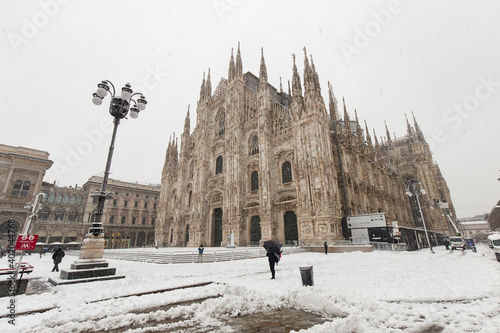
pixel 355 292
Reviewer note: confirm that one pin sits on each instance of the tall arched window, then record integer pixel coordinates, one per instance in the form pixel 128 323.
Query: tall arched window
pixel 254 146
pixel 286 172
pixel 17 187
pixel 218 165
pixel 66 199
pixel 222 123
pixel 79 200
pixel 26 189
pixel 52 197
pixel 45 197
pixel 254 181
pixel 191 170
pixel 189 200
pixel 59 198
pixel 72 200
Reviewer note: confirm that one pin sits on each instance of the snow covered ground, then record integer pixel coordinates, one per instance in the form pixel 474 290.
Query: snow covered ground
pixel 356 292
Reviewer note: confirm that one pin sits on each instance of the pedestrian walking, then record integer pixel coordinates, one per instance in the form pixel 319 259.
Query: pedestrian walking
pixel 273 259
pixel 326 248
pixel 57 257
pixel 200 253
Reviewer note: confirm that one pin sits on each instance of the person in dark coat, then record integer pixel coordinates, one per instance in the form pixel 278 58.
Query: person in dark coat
pixel 326 248
pixel 200 253
pixel 272 257
pixel 57 257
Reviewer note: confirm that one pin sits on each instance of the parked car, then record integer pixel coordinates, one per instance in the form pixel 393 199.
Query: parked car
pixel 494 244
pixel 457 242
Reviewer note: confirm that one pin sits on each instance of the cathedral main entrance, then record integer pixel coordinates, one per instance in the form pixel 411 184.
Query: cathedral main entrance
pixel 255 234
pixel 217 233
pixel 291 230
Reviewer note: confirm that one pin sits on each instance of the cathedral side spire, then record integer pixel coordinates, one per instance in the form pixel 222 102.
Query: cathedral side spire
pixel 368 137
pixel 281 86
pixel 187 122
pixel 263 70
pixel 317 87
pixel 408 127
pixel 208 86
pixel 202 90
pixel 296 86
pixel 332 103
pixel 239 65
pixel 387 133
pixel 289 90
pixel 308 75
pixel 347 121
pixel 230 73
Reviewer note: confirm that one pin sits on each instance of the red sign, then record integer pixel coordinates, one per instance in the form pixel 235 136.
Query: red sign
pixel 26 242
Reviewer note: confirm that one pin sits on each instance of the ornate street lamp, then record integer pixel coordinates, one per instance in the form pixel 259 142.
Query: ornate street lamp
pixel 411 189
pixel 127 103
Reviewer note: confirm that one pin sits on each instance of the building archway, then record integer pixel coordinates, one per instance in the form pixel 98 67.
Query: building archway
pixel 55 236
pixel 141 239
pixel 151 239
pixel 291 229
pixel 255 231
pixel 217 224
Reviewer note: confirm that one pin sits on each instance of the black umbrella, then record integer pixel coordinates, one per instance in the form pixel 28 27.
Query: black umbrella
pixel 272 246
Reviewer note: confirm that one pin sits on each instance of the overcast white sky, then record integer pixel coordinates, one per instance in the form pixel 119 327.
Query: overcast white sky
pixel 439 59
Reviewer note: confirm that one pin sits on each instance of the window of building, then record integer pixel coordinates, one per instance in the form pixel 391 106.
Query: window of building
pixel 154 206
pixel 123 219
pixel 222 123
pixel 59 198
pixel 52 197
pixel 125 203
pixel 66 199
pixel 17 187
pixel 95 199
pixel 26 188
pixel 189 200
pixel 59 215
pixel 145 205
pixel 153 221
pixel 143 220
pixel 218 165
pixel 133 220
pixel 72 200
pixel 126 194
pixel 115 201
pixel 79 200
pixel 254 181
pixel 73 214
pixel 147 196
pixel 116 193
pixel 137 195
pixel 136 204
pixel 254 146
pixel 45 197
pixel 112 219
pixel 44 213
pixel 286 172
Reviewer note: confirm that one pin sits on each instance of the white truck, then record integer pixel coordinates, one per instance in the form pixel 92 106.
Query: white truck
pixel 494 244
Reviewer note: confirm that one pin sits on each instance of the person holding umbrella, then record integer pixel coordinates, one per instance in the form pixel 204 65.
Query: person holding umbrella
pixel 273 250
pixel 57 257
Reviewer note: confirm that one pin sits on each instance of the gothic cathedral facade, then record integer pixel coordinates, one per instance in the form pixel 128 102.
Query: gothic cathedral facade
pixel 266 164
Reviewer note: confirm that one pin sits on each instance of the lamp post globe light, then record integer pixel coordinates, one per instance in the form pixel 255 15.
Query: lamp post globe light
pixel 127 103
pixel 412 190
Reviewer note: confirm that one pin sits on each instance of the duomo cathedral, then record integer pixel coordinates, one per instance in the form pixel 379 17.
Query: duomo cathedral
pixel 263 163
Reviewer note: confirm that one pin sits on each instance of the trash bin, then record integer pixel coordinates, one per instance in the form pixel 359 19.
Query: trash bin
pixel 306 273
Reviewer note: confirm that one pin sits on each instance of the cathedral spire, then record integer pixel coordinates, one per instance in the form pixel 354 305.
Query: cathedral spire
pixel 308 75
pixel 332 103
pixel 317 87
pixel 347 121
pixel 239 65
pixel 263 70
pixel 281 86
pixel 368 137
pixel 202 90
pixel 296 86
pixel 208 86
pixel 376 140
pixel 387 133
pixel 187 122
pixel 230 73
pixel 408 127
pixel 289 90
pixel 417 127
